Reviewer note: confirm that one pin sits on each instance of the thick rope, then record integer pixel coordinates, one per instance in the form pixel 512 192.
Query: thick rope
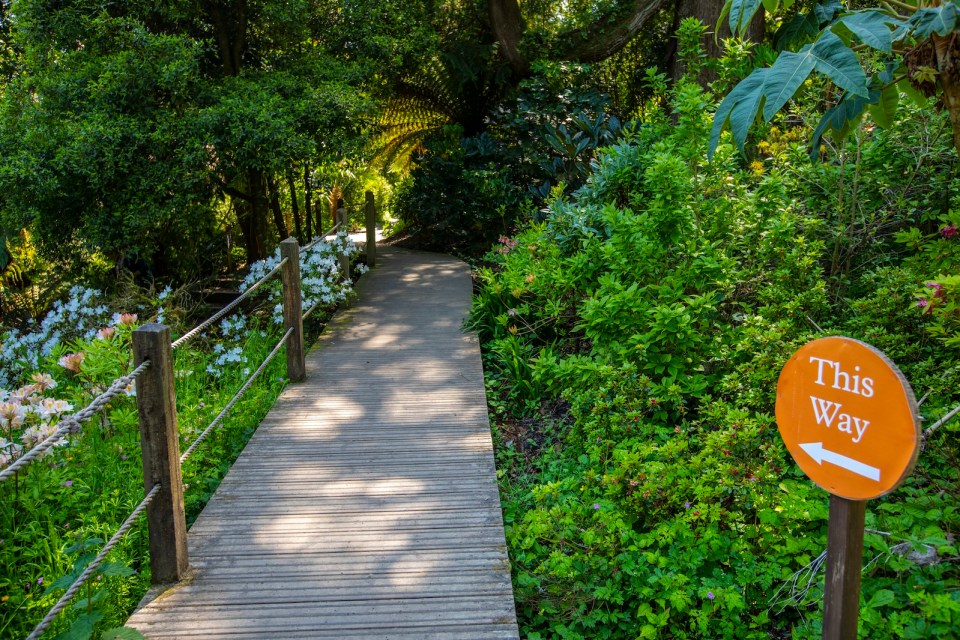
pixel 322 236
pixel 94 565
pixel 246 385
pixel 71 424
pixel 307 313
pixel 227 309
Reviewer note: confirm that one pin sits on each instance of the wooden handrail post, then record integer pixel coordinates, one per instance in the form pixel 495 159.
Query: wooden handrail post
pixel 292 309
pixel 160 448
pixel 371 211
pixel 344 259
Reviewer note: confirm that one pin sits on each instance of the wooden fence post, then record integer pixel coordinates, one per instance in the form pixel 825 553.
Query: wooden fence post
pixel 344 259
pixel 292 309
pixel 160 448
pixel 371 211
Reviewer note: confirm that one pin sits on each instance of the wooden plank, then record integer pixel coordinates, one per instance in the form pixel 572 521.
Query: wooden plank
pixel 366 505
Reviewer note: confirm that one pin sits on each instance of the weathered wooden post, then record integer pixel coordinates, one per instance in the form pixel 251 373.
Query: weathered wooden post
pixel 292 309
pixel 160 448
pixel 344 259
pixel 371 211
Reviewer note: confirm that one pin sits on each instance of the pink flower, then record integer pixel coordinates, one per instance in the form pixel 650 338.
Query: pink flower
pixel 128 318
pixel 43 381
pixel 13 414
pixel 596 506
pixel 949 231
pixel 71 361
pixel 107 332
pixel 922 303
pixel 710 595
pixel 937 289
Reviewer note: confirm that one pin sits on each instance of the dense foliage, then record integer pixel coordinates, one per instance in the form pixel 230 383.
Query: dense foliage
pixel 633 343
pixel 59 510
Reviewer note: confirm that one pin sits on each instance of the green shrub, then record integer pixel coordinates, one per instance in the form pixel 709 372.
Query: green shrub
pixel 637 334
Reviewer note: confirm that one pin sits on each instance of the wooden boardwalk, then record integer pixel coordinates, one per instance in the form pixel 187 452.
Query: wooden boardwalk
pixel 366 504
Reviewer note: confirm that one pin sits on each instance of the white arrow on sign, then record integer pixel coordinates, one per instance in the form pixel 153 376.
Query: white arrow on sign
pixel 816 451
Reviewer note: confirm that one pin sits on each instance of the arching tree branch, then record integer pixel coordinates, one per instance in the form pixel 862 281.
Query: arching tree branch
pixel 603 38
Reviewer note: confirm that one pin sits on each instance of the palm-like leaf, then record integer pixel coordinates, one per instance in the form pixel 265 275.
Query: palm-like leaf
pixel 457 87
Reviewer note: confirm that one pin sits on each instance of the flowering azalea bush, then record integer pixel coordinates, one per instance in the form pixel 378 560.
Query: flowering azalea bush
pixel 76 495
pixel 321 280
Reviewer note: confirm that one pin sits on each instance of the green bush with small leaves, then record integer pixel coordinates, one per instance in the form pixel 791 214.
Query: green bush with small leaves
pixel 633 341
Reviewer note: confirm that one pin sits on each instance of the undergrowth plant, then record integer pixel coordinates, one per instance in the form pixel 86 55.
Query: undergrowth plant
pixel 633 341
pixel 58 511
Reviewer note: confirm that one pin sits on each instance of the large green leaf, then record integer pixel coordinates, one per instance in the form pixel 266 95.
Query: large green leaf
pixel 939 20
pixel 741 13
pixel 825 11
pixel 872 27
pixel 885 109
pixel 82 627
pixel 841 119
pixel 800 29
pixel 913 93
pixel 838 62
pixel 739 108
pixel 785 77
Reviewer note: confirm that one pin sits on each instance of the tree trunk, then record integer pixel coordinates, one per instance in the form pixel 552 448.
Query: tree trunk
pixel 307 204
pixel 295 205
pixel 508 27
pixel 708 12
pixel 248 229
pixel 948 65
pixel 275 208
pixel 230 32
pixel 258 218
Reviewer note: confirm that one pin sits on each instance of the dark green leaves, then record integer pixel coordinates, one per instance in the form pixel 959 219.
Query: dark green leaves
pixel 739 108
pixel 828 55
pixel 872 27
pixel 800 29
pixel 841 118
pixel 741 13
pixel 939 20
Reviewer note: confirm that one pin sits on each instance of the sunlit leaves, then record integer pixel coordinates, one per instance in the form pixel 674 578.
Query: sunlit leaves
pixel 773 87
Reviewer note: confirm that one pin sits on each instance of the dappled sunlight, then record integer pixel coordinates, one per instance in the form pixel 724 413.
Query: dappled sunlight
pixel 367 499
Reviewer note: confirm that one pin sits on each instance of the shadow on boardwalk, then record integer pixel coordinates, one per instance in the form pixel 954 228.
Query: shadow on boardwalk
pixel 366 504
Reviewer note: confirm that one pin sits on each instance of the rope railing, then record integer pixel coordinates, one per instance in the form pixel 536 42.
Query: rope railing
pixel 71 424
pixel 236 398
pixel 156 403
pixel 316 305
pixel 94 564
pixel 227 309
pixel 323 236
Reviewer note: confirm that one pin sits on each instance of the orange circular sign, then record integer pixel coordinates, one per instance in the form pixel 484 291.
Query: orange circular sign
pixel 848 417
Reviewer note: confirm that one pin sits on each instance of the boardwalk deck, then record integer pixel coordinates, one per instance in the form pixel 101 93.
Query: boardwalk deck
pixel 366 504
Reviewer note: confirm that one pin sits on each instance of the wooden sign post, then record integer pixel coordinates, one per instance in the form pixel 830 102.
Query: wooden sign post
pixel 850 420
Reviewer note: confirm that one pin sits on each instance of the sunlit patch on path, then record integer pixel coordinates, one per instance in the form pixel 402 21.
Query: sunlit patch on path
pixel 366 504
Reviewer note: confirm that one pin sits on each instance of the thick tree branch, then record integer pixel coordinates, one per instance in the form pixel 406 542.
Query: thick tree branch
pixel 507 23
pixel 602 39
pixel 605 37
